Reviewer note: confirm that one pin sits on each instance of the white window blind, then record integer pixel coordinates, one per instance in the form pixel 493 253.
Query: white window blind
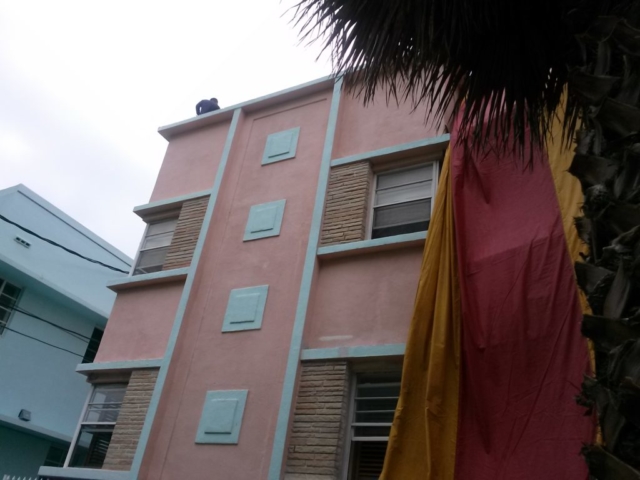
pixel 155 246
pixel 374 404
pixel 9 294
pixel 402 201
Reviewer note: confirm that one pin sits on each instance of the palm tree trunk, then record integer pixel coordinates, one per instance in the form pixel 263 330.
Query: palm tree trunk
pixel 607 163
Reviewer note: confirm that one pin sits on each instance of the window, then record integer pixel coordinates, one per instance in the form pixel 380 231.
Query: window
pixel 97 426
pixel 92 348
pixel 8 298
pixel 402 200
pixel 56 456
pixel 155 246
pixel 374 404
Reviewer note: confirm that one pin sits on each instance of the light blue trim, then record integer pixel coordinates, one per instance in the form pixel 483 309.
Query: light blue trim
pixel 245 309
pixel 184 300
pixel 82 473
pixel 357 351
pixel 134 281
pixel 364 246
pixel 223 114
pixel 265 220
pixel 86 368
pixel 32 429
pixel 437 142
pixel 282 425
pixel 276 139
pixel 221 417
pixel 56 212
pixel 56 288
pixel 160 205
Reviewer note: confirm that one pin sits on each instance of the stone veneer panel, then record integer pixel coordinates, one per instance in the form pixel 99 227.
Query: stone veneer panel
pixel 345 211
pixel 186 235
pixel 130 420
pixel 317 438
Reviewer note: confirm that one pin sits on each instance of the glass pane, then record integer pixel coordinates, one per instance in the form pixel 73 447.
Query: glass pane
pixel 105 403
pixel 151 260
pixel 56 456
pixel 165 226
pixel 404 193
pixel 402 177
pixel 108 394
pixel 91 447
pixel 375 417
pixel 159 240
pixel 6 301
pixel 378 431
pixel 102 413
pixel 11 291
pixel 367 459
pixel 412 212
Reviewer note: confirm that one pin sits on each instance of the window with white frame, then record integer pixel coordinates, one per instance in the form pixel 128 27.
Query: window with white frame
pixel 9 294
pixel 402 200
pixel 97 425
pixel 375 396
pixel 155 245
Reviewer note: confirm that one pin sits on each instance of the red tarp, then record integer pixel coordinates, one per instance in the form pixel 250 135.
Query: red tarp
pixel 523 358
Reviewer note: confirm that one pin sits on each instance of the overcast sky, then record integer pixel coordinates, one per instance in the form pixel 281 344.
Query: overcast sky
pixel 85 84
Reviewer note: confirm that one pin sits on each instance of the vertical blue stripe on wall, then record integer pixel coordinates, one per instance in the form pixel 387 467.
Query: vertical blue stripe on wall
pixel 284 413
pixel 184 300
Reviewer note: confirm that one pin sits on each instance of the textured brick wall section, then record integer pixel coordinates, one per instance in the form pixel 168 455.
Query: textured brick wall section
pixel 319 422
pixel 345 212
pixel 130 420
pixel 186 235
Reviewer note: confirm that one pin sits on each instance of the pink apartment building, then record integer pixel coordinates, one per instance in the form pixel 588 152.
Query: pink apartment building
pixel 261 332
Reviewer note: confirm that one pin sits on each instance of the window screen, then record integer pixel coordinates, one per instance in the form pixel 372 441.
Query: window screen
pixel 402 201
pixel 374 404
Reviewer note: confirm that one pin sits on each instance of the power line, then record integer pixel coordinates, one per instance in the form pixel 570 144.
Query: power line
pixel 68 250
pixel 42 341
pixel 75 334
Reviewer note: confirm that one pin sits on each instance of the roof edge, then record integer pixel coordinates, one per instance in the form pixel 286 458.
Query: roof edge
pixel 62 216
pixel 169 131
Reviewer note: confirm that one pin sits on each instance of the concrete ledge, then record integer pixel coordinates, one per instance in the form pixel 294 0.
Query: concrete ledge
pixel 81 474
pixel 356 351
pixel 376 245
pixel 161 205
pixel 103 367
pixel 165 276
pixel 421 147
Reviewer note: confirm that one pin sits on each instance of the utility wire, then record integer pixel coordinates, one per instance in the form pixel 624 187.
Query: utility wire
pixel 75 334
pixel 72 252
pixel 42 341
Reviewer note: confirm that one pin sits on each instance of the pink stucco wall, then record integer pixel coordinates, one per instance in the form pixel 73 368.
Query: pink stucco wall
pixel 140 323
pixel 207 359
pixel 364 299
pixel 191 162
pixel 355 300
pixel 378 125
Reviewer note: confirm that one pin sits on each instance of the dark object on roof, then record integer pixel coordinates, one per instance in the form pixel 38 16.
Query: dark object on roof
pixel 206 106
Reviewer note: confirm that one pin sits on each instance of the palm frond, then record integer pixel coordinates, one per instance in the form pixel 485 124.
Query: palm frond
pixel 501 65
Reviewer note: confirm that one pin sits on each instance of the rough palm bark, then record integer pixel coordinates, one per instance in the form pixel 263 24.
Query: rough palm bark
pixel 607 163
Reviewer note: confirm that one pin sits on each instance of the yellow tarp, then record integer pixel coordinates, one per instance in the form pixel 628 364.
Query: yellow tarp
pixel 422 444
